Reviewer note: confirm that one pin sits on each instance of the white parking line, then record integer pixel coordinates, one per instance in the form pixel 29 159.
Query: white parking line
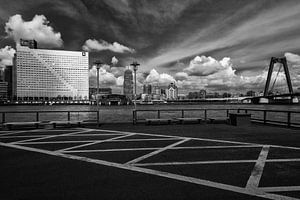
pixel 195 162
pixel 146 139
pixel 203 139
pixel 280 189
pixel 154 172
pixel 97 142
pixel 109 150
pixel 156 152
pixel 50 136
pixel 257 171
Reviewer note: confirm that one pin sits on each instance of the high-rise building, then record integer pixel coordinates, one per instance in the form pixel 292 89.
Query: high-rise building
pixel 128 84
pixel 42 73
pixel 172 92
pixel 3 90
pixel 147 89
pixel 8 77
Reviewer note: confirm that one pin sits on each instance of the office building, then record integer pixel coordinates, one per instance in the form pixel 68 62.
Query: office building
pixel 147 89
pixel 128 84
pixel 42 73
pixel 8 77
pixel 3 90
pixel 172 92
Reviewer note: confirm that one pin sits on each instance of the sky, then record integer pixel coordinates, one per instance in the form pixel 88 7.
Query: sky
pixel 197 44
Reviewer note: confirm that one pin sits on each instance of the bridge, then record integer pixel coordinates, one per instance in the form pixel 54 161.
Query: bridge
pixel 268 96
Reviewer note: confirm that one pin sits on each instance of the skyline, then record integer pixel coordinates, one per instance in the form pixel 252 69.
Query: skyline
pixel 199 44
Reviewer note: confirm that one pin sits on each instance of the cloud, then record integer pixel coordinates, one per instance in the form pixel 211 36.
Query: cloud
pixel 101 45
pixel 6 55
pixel 105 78
pixel 38 28
pixel 292 58
pixel 203 66
pixel 162 79
pixel 181 76
pixel 267 31
pixel 223 77
pixel 114 60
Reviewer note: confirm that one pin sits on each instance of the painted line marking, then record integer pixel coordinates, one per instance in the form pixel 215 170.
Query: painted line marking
pixel 195 162
pixel 218 147
pixel 22 136
pixel 156 152
pixel 150 139
pixel 204 139
pixel 92 143
pixel 280 189
pixel 284 160
pixel 109 150
pixel 58 142
pixel 154 172
pixel 257 171
pixel 50 136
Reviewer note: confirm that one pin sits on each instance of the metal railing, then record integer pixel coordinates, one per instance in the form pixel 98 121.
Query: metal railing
pixel 289 118
pixel 37 115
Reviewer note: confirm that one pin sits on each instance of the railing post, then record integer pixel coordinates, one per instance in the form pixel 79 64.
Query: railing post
pixel 3 117
pixel 227 112
pixel 289 119
pixel 265 116
pixel 246 111
pixel 158 114
pixel 98 117
pixel 133 116
pixel 205 114
pixel 238 111
pixel 69 117
pixel 182 113
pixel 37 116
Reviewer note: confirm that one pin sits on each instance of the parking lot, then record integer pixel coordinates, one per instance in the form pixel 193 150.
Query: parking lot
pixel 144 165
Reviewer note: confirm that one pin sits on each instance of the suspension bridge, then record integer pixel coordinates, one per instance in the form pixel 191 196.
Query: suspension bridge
pixel 270 95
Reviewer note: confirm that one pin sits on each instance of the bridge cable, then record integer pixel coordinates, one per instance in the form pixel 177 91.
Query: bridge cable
pixel 276 78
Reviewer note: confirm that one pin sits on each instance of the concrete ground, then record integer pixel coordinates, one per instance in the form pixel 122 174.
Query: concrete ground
pixel 124 161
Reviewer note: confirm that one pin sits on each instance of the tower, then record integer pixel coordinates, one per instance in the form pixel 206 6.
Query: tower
pixel 128 84
pixel 286 72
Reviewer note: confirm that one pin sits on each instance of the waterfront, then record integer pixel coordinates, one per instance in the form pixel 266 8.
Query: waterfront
pixel 113 114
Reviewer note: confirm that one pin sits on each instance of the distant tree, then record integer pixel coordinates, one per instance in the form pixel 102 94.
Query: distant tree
pixel 226 95
pixel 250 93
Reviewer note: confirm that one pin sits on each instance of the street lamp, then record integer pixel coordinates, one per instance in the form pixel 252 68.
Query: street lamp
pixel 98 64
pixel 135 67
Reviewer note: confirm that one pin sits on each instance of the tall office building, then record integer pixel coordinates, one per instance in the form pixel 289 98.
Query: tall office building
pixel 42 73
pixel 8 77
pixel 172 91
pixel 128 84
pixel 147 89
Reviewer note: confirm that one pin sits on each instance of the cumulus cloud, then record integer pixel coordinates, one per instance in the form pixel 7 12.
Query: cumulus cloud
pixel 105 78
pixel 6 55
pixel 101 45
pixel 181 76
pixel 292 58
pixel 38 28
pixel 203 66
pixel 214 75
pixel 114 60
pixel 162 79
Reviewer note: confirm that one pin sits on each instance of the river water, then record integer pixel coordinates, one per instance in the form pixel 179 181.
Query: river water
pixel 110 114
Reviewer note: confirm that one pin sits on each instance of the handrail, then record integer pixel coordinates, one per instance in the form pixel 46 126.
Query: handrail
pixel 265 119
pixel 4 113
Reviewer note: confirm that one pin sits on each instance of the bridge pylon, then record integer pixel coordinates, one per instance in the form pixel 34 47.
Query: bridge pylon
pixel 286 72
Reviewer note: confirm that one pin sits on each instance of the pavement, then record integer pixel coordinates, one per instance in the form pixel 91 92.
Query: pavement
pixel 124 161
